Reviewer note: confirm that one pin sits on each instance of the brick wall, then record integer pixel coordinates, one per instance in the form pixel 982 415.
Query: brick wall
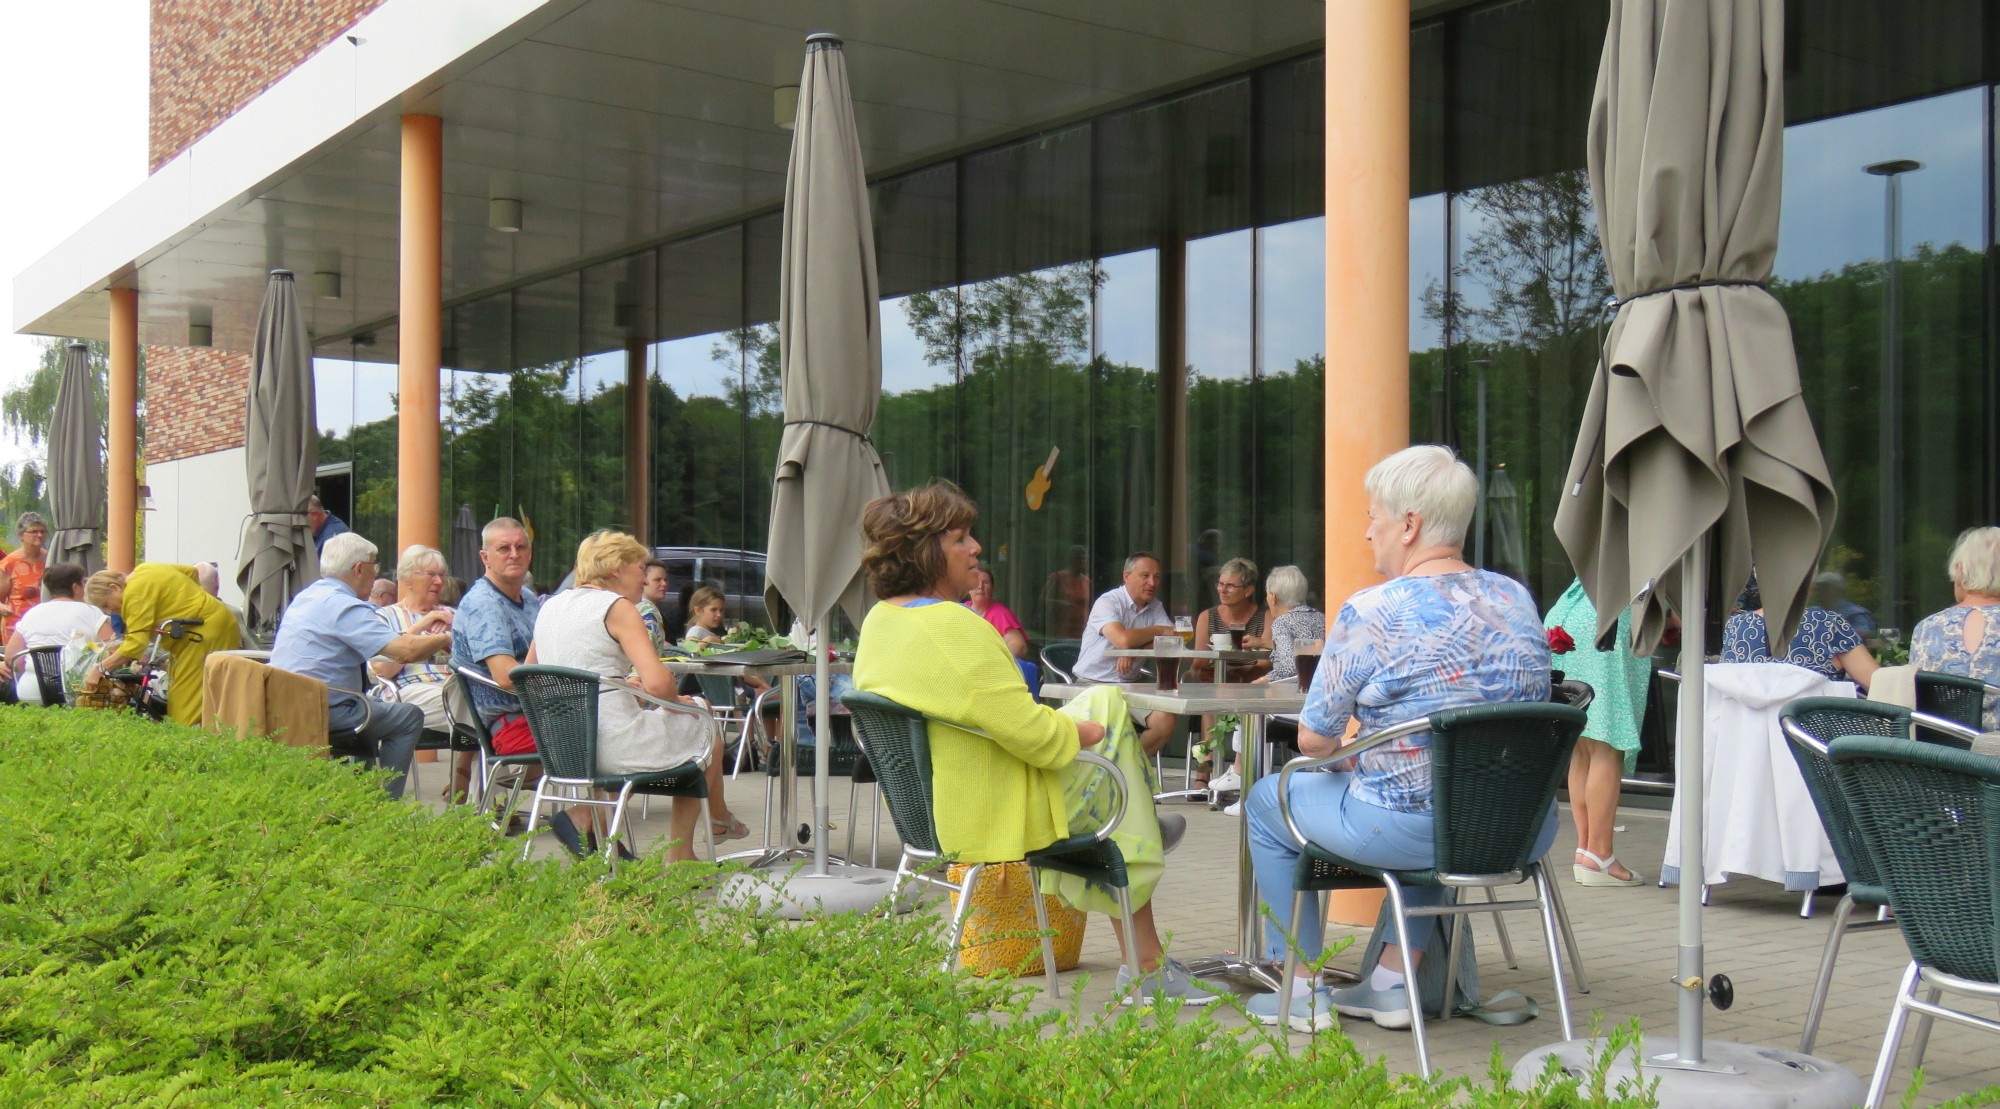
pixel 210 57
pixel 195 400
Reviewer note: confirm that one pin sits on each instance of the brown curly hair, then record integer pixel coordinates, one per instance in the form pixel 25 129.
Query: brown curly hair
pixel 904 531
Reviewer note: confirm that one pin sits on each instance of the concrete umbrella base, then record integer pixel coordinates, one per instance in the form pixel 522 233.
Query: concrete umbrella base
pixel 1740 1076
pixel 798 894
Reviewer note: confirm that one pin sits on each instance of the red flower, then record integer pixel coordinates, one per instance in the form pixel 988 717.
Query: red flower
pixel 1559 642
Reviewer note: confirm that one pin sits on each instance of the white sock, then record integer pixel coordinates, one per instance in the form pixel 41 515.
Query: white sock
pixel 1384 978
pixel 1303 986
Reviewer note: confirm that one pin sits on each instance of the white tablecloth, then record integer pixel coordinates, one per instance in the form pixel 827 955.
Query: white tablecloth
pixel 1760 820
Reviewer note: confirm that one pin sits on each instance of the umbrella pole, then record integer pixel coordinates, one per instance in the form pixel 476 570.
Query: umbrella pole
pixel 822 744
pixel 1689 780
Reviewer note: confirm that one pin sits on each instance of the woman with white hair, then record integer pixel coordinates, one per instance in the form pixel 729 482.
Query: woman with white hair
pixel 1965 638
pixel 420 576
pixel 1294 622
pixel 1438 635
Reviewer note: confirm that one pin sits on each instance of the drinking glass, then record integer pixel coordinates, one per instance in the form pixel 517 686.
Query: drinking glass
pixel 1168 664
pixel 1184 626
pixel 1308 662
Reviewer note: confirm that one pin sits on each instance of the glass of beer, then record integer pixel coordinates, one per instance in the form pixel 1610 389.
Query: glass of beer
pixel 1236 638
pixel 1184 627
pixel 1308 663
pixel 1168 664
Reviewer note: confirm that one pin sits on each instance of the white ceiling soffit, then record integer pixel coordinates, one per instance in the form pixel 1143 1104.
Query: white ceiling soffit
pixel 615 122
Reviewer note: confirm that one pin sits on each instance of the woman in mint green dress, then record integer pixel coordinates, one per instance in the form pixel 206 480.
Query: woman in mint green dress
pixel 1609 748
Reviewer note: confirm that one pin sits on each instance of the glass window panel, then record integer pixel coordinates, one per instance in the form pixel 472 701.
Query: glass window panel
pixel 1521 90
pixel 1027 205
pixel 478 433
pixel 1291 127
pixel 1027 391
pixel 703 484
pixel 916 426
pixel 1131 192
pixel 545 391
pixel 916 231
pixel 1222 441
pixel 1430 416
pixel 1124 429
pixel 1290 476
pixel 1213 163
pixel 1847 55
pixel 1920 436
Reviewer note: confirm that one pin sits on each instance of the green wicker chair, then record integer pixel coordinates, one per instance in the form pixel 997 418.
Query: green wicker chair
pixel 1929 818
pixel 1494 773
pixel 1954 697
pixel 469 726
pixel 1809 724
pixel 1059 659
pixel 897 742
pixel 561 706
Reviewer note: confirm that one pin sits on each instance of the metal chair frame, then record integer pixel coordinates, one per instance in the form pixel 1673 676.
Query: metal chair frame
pixel 583 790
pixel 47 663
pixel 1547 900
pixel 490 763
pixel 919 863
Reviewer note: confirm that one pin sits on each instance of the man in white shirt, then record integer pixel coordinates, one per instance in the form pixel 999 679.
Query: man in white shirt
pixel 1126 617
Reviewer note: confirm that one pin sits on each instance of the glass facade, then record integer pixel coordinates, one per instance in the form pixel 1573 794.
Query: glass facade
pixel 1142 295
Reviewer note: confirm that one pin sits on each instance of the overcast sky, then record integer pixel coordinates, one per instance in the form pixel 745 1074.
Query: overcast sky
pixel 73 79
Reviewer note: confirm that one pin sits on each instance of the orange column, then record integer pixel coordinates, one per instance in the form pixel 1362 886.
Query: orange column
pixel 420 334
pixel 121 451
pixel 1367 269
pixel 1367 291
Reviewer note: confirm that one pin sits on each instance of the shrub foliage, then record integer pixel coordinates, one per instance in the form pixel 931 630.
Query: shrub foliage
pixel 191 920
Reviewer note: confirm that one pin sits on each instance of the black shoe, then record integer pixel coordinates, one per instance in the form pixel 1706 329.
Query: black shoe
pixel 566 833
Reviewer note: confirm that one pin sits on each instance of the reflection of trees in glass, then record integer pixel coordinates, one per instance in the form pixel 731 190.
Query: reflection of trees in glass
pixel 1535 256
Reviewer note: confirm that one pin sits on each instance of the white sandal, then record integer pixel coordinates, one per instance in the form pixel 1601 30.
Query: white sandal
pixel 1602 876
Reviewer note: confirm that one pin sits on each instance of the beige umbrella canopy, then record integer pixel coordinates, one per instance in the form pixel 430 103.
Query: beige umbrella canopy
pixel 76 466
pixel 281 455
pixel 1695 423
pixel 830 342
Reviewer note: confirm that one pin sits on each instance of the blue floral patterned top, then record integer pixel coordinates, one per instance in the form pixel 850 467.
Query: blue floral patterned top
pixel 1824 636
pixel 1939 644
pixel 1413 646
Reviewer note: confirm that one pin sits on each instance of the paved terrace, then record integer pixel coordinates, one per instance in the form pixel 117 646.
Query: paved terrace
pixel 1754 935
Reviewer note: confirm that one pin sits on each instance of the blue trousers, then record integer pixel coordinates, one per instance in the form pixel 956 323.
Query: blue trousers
pixel 1329 815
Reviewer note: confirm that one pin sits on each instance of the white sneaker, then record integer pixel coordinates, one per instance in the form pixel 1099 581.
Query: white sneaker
pixel 1229 781
pixel 1234 808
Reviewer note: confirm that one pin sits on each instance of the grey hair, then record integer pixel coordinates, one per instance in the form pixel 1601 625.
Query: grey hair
pixel 416 558
pixel 1243 568
pixel 1132 560
pixel 1286 585
pixel 28 520
pixel 343 553
pixel 499 524
pixel 1975 560
pixel 313 501
pixel 1432 482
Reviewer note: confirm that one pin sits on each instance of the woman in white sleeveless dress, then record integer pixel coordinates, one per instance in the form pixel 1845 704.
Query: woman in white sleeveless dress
pixel 597 627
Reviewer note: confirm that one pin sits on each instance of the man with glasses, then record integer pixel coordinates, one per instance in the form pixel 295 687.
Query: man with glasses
pixel 330 631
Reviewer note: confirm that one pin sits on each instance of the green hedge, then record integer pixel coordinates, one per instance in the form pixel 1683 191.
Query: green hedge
pixel 189 920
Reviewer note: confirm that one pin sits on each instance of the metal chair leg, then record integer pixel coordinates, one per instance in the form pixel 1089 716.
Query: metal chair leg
pixel 1569 934
pixel 1041 925
pixel 534 816
pixel 1892 1038
pixel 1922 1041
pixel 895 902
pixel 1551 931
pixel 852 815
pixel 1500 929
pixel 958 917
pixel 1402 921
pixel 1821 984
pixel 875 825
pixel 1291 955
pixel 1805 906
pixel 1131 935
pixel 617 828
pixel 1459 930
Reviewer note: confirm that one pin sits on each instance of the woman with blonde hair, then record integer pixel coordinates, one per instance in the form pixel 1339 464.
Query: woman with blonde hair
pixel 1965 638
pixel 596 627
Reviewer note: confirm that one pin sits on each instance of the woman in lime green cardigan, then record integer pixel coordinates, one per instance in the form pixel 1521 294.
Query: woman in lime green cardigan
pixel 1002 794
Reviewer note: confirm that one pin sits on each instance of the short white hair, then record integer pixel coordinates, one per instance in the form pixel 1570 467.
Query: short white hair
pixel 1431 482
pixel 1975 560
pixel 1287 586
pixel 343 553
pixel 418 558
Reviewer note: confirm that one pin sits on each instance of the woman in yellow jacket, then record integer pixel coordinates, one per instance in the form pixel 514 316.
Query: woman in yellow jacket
pixel 156 592
pixel 1000 795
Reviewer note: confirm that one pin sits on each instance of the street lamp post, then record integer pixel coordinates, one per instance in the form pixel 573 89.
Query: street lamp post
pixel 1479 461
pixel 1889 472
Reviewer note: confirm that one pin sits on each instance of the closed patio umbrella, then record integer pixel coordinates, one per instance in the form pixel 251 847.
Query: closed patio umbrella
pixel 1695 437
pixel 76 466
pixel 281 455
pixel 830 341
pixel 465 545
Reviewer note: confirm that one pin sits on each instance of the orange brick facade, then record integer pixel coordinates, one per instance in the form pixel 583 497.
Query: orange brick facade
pixel 209 58
pixel 195 401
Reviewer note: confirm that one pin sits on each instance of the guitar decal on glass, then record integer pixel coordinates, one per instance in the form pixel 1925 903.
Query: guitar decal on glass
pixel 1038 486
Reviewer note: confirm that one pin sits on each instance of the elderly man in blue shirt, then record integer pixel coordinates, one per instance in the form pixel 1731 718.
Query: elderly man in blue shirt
pixel 330 631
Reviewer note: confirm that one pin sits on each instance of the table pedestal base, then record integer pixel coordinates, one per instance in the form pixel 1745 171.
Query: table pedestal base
pixel 799 895
pixel 1263 975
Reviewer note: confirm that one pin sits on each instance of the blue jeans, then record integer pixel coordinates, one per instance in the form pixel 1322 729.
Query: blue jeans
pixel 1331 817
pixel 390 738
